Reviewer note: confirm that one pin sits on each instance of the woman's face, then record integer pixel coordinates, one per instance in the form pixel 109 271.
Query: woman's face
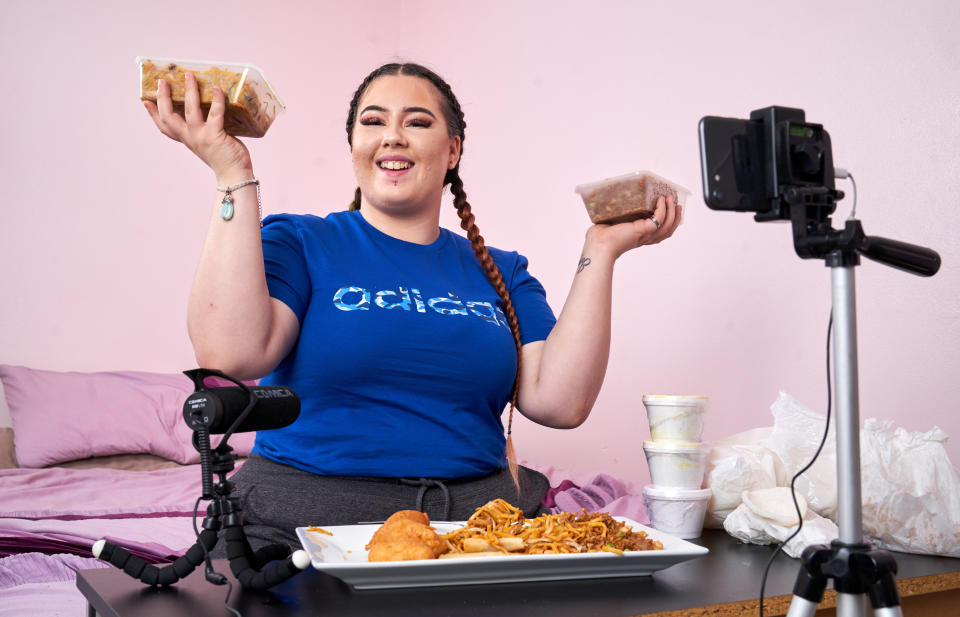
pixel 401 150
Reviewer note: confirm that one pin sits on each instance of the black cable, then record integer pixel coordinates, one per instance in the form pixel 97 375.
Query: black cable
pixel 209 564
pixel 793 493
pixel 227 600
pixel 196 531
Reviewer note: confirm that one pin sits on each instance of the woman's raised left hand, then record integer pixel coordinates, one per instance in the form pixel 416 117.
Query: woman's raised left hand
pixel 622 237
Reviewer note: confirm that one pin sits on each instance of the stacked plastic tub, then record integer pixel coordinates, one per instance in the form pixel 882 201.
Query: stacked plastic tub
pixel 675 501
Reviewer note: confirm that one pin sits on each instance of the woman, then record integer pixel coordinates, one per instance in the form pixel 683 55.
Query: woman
pixel 405 341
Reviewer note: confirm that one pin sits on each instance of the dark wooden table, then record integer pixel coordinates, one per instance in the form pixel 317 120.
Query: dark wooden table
pixel 725 582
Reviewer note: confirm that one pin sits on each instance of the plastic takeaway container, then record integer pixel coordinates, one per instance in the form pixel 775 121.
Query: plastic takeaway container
pixel 676 464
pixel 674 417
pixel 677 511
pixel 251 102
pixel 628 197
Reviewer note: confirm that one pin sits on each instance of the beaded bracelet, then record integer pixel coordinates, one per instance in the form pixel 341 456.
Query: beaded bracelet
pixel 226 206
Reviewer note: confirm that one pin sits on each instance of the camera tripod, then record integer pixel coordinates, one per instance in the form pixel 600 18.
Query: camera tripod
pixel 855 567
pixel 252 569
pixel 780 166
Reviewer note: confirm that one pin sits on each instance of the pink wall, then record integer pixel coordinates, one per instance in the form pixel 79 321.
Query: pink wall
pixel 103 218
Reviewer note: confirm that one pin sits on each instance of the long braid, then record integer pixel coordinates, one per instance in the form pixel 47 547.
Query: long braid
pixel 456 125
pixel 355 204
pixel 496 279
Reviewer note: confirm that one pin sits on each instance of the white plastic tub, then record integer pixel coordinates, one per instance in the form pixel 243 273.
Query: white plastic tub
pixel 677 511
pixel 676 464
pixel 674 417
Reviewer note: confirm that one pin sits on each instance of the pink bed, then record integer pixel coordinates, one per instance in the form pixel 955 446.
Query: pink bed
pixel 50 518
pixel 85 456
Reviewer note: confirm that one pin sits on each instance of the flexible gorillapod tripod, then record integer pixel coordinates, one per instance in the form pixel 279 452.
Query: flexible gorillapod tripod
pixel 856 567
pixel 252 569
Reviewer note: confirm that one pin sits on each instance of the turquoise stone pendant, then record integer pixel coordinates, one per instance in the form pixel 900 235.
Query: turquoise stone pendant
pixel 226 207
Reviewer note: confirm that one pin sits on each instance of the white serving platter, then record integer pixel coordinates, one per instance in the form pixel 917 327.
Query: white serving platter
pixel 342 554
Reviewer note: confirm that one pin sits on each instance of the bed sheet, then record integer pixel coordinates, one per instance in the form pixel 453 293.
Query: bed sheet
pixel 36 584
pixel 90 493
pixel 50 518
pixel 66 510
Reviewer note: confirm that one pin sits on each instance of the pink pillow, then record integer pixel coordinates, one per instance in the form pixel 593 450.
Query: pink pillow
pixel 61 417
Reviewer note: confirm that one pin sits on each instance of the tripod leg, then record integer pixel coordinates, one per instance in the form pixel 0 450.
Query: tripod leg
pixel 801 607
pixel 891 611
pixel 239 553
pixel 150 574
pixel 811 581
pixel 884 597
pixel 851 604
pixel 269 553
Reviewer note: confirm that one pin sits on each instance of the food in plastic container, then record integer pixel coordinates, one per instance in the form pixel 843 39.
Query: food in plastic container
pixel 677 511
pixel 674 417
pixel 676 464
pixel 251 102
pixel 629 197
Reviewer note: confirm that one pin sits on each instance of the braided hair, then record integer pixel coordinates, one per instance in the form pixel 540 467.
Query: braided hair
pixel 453 115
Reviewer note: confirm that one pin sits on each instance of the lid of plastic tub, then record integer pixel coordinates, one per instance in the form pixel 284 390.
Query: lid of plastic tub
pixel 675 399
pixel 671 397
pixel 677 494
pixel 678 447
pixel 590 186
pixel 190 64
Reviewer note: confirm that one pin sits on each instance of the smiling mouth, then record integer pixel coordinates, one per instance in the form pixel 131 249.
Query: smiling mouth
pixel 395 165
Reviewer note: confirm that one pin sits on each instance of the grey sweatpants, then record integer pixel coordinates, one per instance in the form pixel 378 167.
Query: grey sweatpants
pixel 276 498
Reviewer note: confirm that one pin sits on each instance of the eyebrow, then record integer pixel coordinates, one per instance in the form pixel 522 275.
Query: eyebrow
pixel 405 110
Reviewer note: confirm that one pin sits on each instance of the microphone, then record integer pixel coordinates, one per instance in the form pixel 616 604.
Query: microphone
pixel 216 409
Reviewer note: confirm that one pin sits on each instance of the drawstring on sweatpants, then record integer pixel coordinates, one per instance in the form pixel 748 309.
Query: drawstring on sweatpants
pixel 425 484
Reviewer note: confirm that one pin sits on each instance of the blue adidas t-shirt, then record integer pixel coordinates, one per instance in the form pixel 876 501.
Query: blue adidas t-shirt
pixel 405 361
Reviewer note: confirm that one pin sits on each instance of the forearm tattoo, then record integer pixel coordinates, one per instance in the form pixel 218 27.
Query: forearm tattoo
pixel 584 262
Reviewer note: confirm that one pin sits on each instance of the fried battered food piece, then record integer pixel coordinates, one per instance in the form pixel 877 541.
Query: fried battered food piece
pixel 407 534
pixel 406 530
pixel 401 550
pixel 401 515
pixel 413 515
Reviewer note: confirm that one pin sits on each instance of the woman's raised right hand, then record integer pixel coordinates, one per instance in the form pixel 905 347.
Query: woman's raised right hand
pixel 226 155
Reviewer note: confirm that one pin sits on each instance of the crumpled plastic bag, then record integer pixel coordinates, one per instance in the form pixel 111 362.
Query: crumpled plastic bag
pixel 797 432
pixel 909 488
pixel 736 464
pixel 911 491
pixel 768 516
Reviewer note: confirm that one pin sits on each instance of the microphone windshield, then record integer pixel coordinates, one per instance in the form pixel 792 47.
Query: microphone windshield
pixel 218 408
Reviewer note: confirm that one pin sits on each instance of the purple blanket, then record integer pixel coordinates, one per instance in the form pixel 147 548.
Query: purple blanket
pixel 50 518
pixel 35 584
pixel 67 510
pixel 88 493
